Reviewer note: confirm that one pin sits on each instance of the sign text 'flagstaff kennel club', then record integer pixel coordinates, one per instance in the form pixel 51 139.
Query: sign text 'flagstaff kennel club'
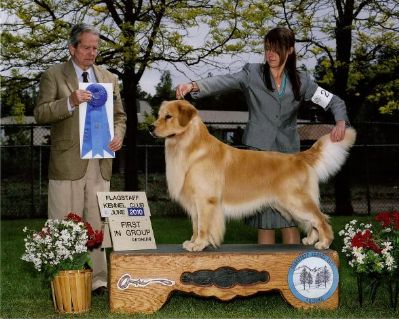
pixel 128 214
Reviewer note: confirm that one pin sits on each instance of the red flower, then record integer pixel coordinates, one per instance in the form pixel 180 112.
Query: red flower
pixel 365 240
pixel 384 218
pixel 90 231
pixel 74 217
pixel 388 219
pixel 395 217
pixel 95 238
pixel 43 233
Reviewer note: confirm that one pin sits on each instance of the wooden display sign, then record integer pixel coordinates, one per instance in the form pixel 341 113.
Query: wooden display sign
pixel 141 282
pixel 128 215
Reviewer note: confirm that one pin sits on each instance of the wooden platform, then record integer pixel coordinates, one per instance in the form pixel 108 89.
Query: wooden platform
pixel 142 281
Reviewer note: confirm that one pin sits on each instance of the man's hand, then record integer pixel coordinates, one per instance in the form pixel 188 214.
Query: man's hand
pixel 115 144
pixel 79 96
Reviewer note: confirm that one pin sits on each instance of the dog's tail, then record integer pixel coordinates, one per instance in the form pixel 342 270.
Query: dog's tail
pixel 327 157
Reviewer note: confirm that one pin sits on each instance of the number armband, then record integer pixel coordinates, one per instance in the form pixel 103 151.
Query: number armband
pixel 322 97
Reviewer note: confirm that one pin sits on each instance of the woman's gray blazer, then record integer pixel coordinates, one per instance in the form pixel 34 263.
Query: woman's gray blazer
pixel 272 123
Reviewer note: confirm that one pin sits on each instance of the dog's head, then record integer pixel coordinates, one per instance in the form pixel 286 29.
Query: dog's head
pixel 173 118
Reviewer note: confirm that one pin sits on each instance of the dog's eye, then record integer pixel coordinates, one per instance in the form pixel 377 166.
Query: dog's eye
pixel 167 117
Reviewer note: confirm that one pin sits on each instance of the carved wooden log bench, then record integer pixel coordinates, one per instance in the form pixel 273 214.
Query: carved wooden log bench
pixel 142 281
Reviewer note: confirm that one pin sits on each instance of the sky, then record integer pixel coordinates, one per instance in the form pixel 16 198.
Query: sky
pixel 151 77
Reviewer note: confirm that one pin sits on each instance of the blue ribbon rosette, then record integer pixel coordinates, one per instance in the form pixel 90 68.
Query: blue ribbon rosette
pixel 96 135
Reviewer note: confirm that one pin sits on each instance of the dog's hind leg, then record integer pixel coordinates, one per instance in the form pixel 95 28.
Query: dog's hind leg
pixel 324 229
pixel 307 213
pixel 311 237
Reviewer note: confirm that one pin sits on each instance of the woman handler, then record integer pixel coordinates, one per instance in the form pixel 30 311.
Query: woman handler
pixel 273 91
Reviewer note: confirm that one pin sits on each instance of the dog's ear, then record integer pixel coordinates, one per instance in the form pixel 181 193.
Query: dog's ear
pixel 186 112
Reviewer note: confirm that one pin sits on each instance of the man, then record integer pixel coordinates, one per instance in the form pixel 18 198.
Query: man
pixel 74 182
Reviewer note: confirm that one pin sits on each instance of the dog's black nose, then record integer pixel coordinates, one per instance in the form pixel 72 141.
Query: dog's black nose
pixel 151 129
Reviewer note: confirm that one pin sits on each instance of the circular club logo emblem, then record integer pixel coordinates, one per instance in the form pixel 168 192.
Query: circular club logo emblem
pixel 313 277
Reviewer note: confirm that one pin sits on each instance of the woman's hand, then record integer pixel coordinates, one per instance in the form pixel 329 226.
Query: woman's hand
pixel 184 89
pixel 338 132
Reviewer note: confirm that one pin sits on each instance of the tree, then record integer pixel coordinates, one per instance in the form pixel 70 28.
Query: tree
pixel 333 29
pixel 325 276
pixel 374 82
pixel 318 280
pixel 135 35
pixel 309 279
pixel 304 277
pixel 163 91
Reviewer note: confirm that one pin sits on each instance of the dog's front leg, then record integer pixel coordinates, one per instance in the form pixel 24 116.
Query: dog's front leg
pixel 206 213
pixel 194 221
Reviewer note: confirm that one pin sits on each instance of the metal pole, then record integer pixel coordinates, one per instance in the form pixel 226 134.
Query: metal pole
pixel 367 181
pixel 366 149
pixel 146 168
pixel 32 172
pixel 40 177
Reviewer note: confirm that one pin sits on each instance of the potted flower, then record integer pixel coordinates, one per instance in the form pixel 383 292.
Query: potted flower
pixel 372 250
pixel 60 251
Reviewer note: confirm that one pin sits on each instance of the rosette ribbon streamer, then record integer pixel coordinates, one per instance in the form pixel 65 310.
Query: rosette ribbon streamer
pixel 96 135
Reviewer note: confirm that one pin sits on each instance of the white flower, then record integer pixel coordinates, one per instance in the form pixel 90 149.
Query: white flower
pixel 387 246
pixel 359 255
pixel 366 259
pixel 390 262
pixel 58 241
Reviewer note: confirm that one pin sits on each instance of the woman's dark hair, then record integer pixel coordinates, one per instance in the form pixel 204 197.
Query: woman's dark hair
pixel 281 40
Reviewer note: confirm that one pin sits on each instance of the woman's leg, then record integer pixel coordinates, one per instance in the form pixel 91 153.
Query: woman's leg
pixel 266 236
pixel 291 235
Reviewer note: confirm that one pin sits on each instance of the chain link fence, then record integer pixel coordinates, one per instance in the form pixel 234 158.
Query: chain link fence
pixel 372 168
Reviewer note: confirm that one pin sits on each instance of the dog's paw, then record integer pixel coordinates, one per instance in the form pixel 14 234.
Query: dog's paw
pixel 195 246
pixel 187 245
pixel 320 245
pixel 308 241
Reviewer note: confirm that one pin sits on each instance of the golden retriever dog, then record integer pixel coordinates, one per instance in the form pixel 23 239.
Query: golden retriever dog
pixel 213 180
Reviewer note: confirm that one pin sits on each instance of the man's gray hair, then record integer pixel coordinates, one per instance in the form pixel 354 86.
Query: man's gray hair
pixel 78 29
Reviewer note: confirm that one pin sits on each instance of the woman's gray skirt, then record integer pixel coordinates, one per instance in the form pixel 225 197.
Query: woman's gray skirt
pixel 269 218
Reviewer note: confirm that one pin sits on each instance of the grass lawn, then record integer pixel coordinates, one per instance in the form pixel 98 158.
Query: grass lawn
pixel 23 295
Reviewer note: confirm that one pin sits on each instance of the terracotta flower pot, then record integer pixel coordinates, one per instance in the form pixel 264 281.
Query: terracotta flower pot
pixel 71 290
